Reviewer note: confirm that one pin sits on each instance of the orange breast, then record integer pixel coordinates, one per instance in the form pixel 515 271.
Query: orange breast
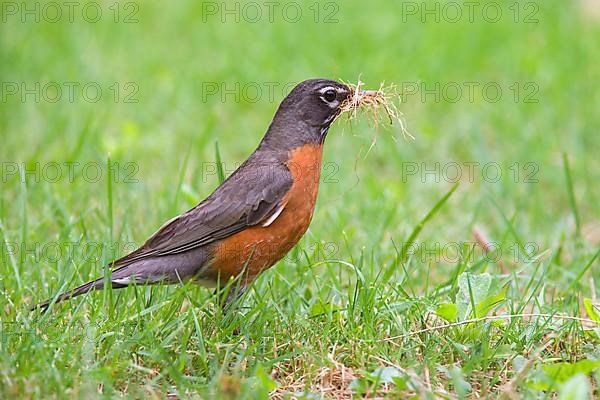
pixel 262 246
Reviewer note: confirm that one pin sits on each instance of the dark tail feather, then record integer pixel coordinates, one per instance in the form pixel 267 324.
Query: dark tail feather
pixel 83 289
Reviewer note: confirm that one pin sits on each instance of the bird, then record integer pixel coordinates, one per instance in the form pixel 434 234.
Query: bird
pixel 253 218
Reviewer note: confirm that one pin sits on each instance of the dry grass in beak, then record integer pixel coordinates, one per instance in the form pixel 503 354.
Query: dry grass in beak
pixel 372 102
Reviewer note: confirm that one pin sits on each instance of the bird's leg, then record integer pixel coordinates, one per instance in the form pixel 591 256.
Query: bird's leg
pixel 234 293
pixel 229 304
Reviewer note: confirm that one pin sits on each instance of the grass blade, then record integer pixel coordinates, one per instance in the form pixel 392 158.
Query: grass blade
pixel 180 180
pixel 572 195
pixel 109 198
pixel 220 172
pixel 11 256
pixel 421 224
pixel 583 271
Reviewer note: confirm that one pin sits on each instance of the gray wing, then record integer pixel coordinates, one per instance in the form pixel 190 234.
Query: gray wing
pixel 248 197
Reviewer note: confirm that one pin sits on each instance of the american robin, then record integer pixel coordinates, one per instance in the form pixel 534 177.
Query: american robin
pixel 254 217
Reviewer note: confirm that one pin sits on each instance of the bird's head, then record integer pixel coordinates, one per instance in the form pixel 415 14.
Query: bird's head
pixel 316 102
pixel 306 113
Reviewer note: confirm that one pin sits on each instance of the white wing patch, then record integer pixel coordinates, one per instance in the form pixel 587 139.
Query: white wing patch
pixel 122 281
pixel 274 216
pixel 128 280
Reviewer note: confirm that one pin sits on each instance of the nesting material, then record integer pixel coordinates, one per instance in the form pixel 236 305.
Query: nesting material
pixel 375 103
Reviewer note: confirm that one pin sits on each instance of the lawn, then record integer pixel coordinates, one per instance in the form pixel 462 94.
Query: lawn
pixel 462 264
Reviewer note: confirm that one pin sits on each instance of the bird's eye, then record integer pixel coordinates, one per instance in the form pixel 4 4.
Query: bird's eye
pixel 329 95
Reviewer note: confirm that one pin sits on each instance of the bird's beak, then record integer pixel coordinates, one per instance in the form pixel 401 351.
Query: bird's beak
pixel 369 92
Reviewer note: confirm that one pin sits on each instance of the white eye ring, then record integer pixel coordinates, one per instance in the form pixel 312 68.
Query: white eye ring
pixel 330 95
pixel 326 96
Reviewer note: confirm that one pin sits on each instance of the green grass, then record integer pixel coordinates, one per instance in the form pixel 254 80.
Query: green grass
pixel 354 308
